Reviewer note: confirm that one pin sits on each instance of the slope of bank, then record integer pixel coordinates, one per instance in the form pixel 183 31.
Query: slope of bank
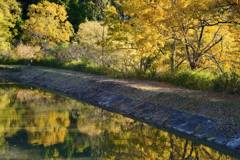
pixel 205 115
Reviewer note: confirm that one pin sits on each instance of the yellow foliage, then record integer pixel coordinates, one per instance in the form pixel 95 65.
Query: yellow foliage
pixel 131 38
pixel 47 23
pixel 195 28
pixel 9 15
pixel 88 37
pixel 48 129
pixel 91 32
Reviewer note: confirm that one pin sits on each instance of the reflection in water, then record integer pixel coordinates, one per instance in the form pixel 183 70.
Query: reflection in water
pixel 38 125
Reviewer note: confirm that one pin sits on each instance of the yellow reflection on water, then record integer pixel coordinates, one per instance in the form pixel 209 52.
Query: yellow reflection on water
pixel 64 128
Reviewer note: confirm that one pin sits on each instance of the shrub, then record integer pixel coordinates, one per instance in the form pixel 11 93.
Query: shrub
pixel 191 79
pixel 227 82
pixel 75 65
pixel 103 70
pixel 48 61
pixel 25 51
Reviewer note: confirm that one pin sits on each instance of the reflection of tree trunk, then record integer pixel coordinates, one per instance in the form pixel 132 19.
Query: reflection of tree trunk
pixel 197 155
pixel 207 154
pixel 185 149
pixel 171 157
pixel 193 147
pixel 191 152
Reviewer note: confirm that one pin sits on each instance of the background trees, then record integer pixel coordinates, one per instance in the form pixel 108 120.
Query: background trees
pixel 81 10
pixel 10 13
pixel 198 28
pixel 139 38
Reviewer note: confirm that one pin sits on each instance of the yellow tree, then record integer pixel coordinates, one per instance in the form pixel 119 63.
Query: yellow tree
pixel 47 23
pixel 135 40
pixel 88 35
pixel 195 28
pixel 10 12
pixel 198 27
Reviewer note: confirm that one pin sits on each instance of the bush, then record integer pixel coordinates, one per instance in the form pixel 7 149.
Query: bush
pixel 142 75
pixel 20 61
pixel 25 51
pixel 48 61
pixel 191 79
pixel 75 65
pixel 227 82
pixel 205 81
pixel 103 70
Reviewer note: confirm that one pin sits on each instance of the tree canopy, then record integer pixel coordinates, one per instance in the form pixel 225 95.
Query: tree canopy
pixel 200 31
pixel 47 23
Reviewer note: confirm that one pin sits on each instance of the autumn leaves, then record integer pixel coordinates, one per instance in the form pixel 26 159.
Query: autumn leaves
pixel 136 35
pixel 188 33
pixel 47 23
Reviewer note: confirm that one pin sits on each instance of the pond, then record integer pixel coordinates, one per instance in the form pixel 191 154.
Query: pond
pixel 36 124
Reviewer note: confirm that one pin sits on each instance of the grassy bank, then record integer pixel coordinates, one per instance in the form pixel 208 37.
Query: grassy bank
pixel 200 80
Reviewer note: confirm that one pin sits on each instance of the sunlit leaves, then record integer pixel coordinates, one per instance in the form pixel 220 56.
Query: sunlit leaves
pixel 134 40
pixel 175 31
pixel 48 130
pixel 47 23
pixel 10 12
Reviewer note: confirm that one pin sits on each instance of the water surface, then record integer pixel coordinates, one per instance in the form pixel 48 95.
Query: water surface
pixel 36 124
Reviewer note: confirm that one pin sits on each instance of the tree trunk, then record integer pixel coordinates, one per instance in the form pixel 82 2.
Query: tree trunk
pixel 173 57
pixel 193 65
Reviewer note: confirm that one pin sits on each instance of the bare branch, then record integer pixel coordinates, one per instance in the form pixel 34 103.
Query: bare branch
pixel 200 37
pixel 212 43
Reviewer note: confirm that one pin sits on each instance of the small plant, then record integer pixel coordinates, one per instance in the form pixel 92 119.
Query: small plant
pixel 197 129
pixel 207 135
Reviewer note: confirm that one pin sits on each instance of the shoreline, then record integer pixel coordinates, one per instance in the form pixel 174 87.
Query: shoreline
pixel 106 93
